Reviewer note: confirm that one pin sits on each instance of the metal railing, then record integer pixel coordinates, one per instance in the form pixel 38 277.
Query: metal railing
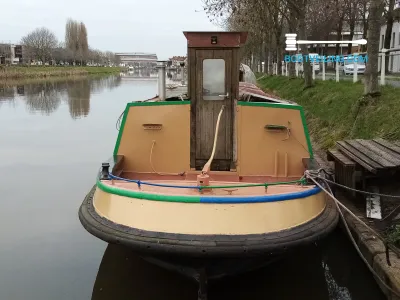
pixel 389 74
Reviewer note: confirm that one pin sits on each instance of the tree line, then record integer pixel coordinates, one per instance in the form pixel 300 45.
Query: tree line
pixel 267 22
pixel 42 45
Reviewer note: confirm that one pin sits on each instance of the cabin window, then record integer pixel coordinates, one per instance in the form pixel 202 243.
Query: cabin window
pixel 214 79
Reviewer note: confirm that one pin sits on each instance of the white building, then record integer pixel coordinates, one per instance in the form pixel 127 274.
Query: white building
pixel 138 59
pixel 394 56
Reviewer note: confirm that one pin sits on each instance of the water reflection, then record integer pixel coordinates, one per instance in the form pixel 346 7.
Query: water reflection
pixel 7 93
pixel 313 273
pixel 42 97
pixel 79 98
pixel 46 96
pixel 141 74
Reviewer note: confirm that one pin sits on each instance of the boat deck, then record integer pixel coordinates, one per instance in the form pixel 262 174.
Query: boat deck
pixel 217 176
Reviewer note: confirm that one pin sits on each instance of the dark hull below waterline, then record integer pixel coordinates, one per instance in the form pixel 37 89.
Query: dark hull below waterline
pixel 212 269
pixel 211 256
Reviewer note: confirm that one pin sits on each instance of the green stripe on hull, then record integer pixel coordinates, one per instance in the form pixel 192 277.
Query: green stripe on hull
pixel 146 196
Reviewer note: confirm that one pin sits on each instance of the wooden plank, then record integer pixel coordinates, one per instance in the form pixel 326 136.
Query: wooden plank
pixel 397 143
pixel 361 159
pixel 118 164
pixel 376 157
pixel 388 145
pixel 386 153
pixel 339 157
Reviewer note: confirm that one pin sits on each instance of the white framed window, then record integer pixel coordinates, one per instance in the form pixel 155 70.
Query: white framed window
pixel 214 79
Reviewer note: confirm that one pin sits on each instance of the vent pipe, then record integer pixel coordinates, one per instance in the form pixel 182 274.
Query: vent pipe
pixel 182 64
pixel 161 79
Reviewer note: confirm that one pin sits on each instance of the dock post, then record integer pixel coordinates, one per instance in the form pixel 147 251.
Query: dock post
pixel 161 79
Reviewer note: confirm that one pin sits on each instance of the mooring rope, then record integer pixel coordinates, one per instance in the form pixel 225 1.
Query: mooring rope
pixel 338 205
pixel 207 166
pixel 139 182
pixel 358 191
pixel 301 181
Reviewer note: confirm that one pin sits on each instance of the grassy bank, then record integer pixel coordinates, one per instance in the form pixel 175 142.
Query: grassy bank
pixel 338 111
pixel 18 72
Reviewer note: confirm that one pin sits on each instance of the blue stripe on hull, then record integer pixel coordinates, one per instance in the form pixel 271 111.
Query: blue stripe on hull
pixel 259 199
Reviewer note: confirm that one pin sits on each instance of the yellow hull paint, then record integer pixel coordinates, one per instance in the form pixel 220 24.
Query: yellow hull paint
pixel 208 218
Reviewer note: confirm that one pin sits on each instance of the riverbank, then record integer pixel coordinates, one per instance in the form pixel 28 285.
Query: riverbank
pixel 371 246
pixel 337 111
pixel 21 72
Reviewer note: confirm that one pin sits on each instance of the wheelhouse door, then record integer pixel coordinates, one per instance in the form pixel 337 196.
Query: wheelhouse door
pixel 213 90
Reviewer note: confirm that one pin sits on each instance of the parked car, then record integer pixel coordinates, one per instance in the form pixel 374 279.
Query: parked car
pixel 313 61
pixel 348 64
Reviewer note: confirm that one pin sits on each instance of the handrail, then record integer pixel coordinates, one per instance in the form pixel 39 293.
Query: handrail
pixel 266 184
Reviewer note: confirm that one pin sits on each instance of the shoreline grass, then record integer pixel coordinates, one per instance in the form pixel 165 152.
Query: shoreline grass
pixel 337 111
pixel 22 72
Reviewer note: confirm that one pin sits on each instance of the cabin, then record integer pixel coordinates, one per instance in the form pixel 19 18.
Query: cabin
pixel 259 139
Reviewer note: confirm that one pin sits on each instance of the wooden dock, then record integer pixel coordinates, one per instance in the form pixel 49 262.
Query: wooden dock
pixel 359 160
pixel 377 156
pixel 368 165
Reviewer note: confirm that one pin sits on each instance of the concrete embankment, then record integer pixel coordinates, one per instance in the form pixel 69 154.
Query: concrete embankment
pixel 337 111
pixel 18 72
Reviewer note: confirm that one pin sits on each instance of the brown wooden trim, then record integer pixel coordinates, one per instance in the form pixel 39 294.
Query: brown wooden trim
pixel 118 165
pixel 193 101
pixel 224 39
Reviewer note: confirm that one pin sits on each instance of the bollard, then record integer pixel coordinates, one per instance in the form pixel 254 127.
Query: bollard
pixel 337 71
pixel 383 56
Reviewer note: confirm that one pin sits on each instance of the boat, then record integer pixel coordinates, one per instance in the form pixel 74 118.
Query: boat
pixel 210 183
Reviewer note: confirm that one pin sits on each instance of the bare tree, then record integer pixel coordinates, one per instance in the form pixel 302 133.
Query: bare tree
pixel 364 8
pixel 388 34
pixel 40 43
pixel 71 37
pixel 76 39
pixel 83 42
pixel 351 14
pixel 371 86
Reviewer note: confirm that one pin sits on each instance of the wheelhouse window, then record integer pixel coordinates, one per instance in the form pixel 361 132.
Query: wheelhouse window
pixel 214 79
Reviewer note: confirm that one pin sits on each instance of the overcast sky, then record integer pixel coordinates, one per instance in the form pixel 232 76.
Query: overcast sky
pixel 118 25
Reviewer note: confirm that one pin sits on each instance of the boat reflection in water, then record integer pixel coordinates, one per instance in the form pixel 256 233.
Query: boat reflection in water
pixel 314 273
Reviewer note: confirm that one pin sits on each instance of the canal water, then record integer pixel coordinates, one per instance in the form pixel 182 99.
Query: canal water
pixel 54 135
